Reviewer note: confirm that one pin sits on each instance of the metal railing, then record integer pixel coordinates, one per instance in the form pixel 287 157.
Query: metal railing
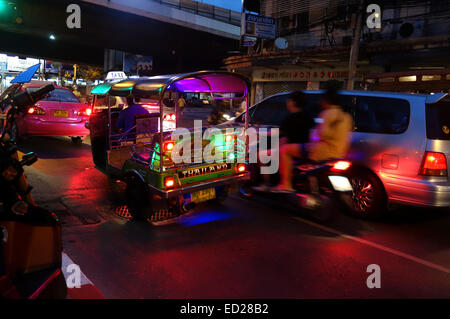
pixel 205 10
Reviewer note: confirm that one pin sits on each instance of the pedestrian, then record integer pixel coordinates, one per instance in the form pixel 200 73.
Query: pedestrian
pixel 181 103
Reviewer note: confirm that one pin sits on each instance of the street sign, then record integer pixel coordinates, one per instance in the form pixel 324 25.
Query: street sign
pixel 258 26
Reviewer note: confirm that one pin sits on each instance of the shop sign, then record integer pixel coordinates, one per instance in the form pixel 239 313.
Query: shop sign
pixel 258 26
pixel 302 75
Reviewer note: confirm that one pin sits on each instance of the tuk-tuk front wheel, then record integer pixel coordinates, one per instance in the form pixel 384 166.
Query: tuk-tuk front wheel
pixel 137 198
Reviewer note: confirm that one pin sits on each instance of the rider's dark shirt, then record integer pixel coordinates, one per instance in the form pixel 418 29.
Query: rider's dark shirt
pixel 127 117
pixel 296 127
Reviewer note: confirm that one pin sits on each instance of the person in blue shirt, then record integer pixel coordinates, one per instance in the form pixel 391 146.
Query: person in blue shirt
pixel 127 117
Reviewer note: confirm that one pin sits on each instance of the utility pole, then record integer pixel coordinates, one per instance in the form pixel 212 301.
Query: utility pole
pixel 354 51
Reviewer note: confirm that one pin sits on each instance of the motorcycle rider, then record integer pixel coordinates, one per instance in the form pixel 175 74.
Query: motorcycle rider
pixel 294 130
pixel 330 139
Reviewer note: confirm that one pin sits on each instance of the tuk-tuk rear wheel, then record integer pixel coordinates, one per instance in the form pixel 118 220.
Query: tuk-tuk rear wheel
pixel 137 198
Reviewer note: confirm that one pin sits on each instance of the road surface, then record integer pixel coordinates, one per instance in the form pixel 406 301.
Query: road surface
pixel 240 249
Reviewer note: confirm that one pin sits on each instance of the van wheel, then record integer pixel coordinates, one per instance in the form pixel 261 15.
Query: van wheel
pixel 76 140
pixel 137 198
pixel 369 200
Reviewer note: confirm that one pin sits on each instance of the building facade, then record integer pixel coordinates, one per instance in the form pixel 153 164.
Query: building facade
pixel 414 35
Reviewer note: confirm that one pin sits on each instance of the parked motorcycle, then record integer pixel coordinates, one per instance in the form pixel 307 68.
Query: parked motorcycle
pixel 30 236
pixel 321 189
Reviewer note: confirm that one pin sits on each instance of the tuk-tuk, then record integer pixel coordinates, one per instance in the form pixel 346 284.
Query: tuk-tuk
pixel 157 186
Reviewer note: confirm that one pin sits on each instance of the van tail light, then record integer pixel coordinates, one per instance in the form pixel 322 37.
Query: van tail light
pixel 36 110
pixel 168 146
pixel 169 182
pixel 434 164
pixel 341 165
pixel 241 168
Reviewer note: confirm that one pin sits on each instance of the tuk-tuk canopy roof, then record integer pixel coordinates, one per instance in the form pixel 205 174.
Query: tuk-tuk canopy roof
pixel 102 89
pixel 202 81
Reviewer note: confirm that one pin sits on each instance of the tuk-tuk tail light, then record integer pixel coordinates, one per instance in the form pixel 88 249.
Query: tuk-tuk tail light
pixel 241 168
pixel 169 182
pixel 168 146
pixel 170 117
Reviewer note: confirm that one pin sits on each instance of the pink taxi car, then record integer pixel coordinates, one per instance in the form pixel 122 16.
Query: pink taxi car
pixel 59 114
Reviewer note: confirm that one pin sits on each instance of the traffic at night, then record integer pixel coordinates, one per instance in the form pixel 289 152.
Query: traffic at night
pixel 225 155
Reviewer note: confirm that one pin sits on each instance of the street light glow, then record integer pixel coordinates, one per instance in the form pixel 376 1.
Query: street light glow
pixel 52 37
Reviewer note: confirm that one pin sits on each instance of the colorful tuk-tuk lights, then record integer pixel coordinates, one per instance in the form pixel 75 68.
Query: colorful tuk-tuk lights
pixel 229 138
pixel 149 86
pixel 124 84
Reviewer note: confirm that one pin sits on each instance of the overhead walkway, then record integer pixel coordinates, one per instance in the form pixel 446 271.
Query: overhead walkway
pixel 186 13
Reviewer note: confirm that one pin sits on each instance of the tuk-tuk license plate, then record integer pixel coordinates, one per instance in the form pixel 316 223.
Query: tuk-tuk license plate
pixel 203 195
pixel 61 113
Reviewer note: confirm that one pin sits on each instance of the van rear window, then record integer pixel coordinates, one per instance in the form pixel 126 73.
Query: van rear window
pixel 438 120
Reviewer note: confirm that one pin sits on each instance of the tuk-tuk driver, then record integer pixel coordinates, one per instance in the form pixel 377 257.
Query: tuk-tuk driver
pixel 127 117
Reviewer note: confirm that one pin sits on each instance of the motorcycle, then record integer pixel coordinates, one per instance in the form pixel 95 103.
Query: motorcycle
pixel 321 189
pixel 30 236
